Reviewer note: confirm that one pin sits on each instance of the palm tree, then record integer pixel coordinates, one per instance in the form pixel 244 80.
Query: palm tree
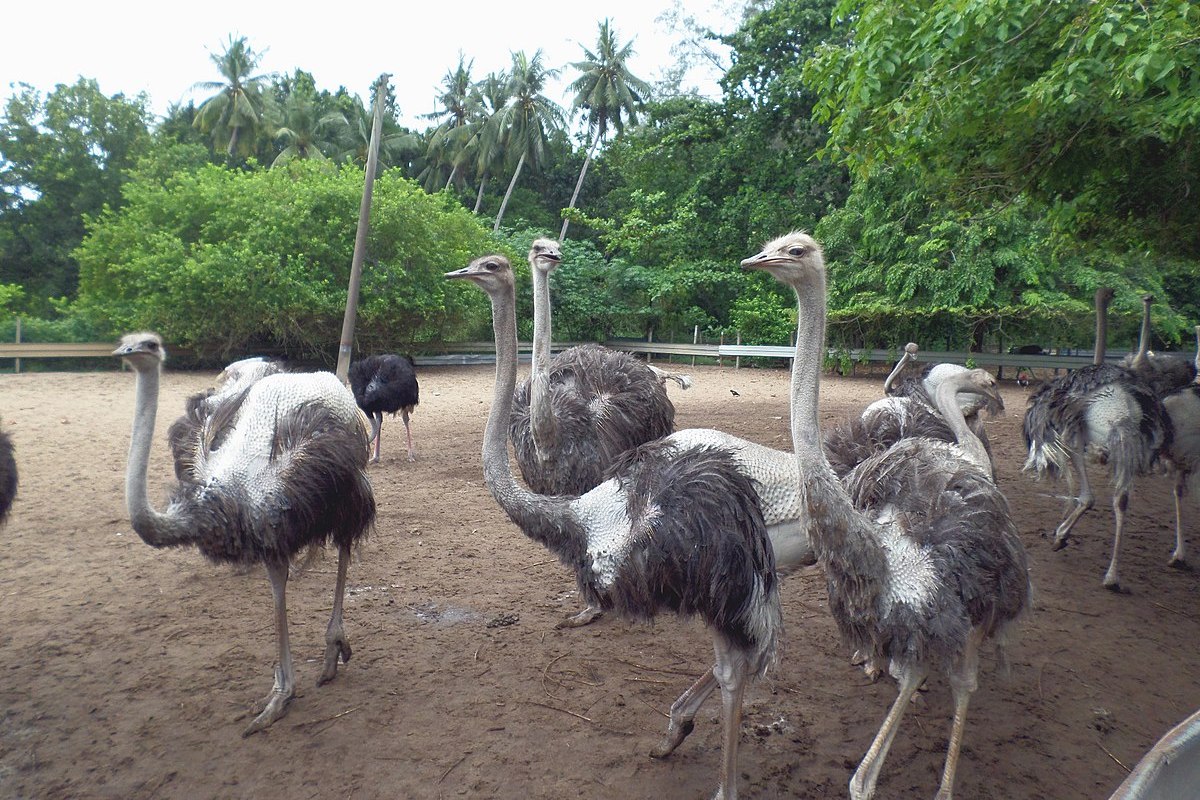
pixel 608 93
pixel 484 148
pixel 528 119
pixel 302 134
pixel 237 107
pixel 460 102
pixel 352 132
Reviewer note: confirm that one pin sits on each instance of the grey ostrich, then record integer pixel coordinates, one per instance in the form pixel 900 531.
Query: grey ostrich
pixel 1105 410
pixel 674 529
pixel 274 468
pixel 923 385
pixel 1183 453
pixel 922 559
pixel 386 383
pixel 581 409
pixel 8 475
pixel 1164 372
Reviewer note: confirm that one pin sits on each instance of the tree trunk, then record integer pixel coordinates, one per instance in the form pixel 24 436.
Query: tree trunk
pixel 479 195
pixel 562 235
pixel 233 140
pixel 511 185
pixel 450 180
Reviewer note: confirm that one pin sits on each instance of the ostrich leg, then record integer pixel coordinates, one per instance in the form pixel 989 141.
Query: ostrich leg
pixel 683 714
pixel 335 635
pixel 1179 557
pixel 1082 503
pixel 408 432
pixel 731 672
pixel 862 785
pixel 376 433
pixel 1112 580
pixel 962 683
pixel 585 617
pixel 275 705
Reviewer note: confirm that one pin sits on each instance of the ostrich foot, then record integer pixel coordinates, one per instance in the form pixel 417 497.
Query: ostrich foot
pixel 675 736
pixel 275 707
pixel 1179 563
pixel 335 647
pixel 585 617
pixel 1059 543
pixel 1113 584
pixel 374 460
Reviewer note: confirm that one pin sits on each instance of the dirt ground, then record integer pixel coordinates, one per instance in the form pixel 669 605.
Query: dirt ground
pixel 129 671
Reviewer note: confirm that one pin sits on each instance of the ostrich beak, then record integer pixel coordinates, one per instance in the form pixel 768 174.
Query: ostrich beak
pixel 459 273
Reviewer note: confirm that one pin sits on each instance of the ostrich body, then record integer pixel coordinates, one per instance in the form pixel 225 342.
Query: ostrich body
pixel 385 383
pixel 1105 410
pixel 581 409
pixel 271 469
pixel 923 386
pixel 8 475
pixel 674 529
pixel 1183 454
pixel 922 559
pixel 1165 373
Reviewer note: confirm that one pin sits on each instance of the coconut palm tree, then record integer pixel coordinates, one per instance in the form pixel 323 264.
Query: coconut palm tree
pixel 303 133
pixel 459 105
pixel 528 119
pixel 352 132
pixel 485 148
pixel 608 93
pixel 235 112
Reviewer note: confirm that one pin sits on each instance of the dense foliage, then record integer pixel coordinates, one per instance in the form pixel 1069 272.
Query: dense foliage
pixel 975 169
pixel 225 260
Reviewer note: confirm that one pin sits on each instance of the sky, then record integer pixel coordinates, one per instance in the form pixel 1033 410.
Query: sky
pixel 163 49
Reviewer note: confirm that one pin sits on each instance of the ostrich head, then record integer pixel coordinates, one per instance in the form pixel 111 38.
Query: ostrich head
pixel 544 255
pixel 492 273
pixel 981 382
pixel 143 351
pixel 790 258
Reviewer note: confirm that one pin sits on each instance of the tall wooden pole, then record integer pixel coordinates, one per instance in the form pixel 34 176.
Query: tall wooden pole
pixel 360 238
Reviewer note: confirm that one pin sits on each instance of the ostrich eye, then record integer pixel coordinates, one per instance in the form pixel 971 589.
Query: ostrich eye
pixel 492 265
pixel 152 345
pixel 796 251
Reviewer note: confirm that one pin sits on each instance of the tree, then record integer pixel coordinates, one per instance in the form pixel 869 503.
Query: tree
pixel 460 104
pixel 62 156
pixel 352 132
pixel 484 148
pixel 528 118
pixel 235 112
pixel 1092 105
pixel 303 134
pixel 608 92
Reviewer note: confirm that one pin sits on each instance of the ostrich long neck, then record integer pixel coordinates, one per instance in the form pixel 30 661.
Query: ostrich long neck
pixel 1142 357
pixel 842 536
pixel 1197 354
pixel 546 520
pixel 947 403
pixel 155 529
pixel 541 416
pixel 894 375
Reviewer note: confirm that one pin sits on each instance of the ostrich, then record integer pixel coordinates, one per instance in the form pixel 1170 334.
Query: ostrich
pixel 385 383
pixel 8 475
pixel 674 529
pixel 921 556
pixel 1183 454
pixel 582 408
pixel 885 422
pixel 1104 409
pixel 923 386
pixel 272 469
pixel 234 379
pixel 1164 372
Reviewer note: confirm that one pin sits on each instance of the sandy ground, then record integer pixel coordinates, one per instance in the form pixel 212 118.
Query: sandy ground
pixel 129 671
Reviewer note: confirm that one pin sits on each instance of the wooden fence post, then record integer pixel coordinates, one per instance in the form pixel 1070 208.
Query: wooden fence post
pixel 737 360
pixel 17 362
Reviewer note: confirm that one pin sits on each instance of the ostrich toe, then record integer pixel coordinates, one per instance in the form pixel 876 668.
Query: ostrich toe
pixel 1179 563
pixel 676 733
pixel 1059 543
pixel 585 617
pixel 275 707
pixel 335 647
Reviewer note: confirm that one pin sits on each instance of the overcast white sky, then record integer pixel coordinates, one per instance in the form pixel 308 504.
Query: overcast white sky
pixel 163 48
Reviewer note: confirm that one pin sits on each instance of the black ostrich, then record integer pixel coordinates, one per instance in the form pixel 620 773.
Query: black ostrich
pixel 264 473
pixel 8 475
pixel 388 383
pixel 922 558
pixel 676 529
